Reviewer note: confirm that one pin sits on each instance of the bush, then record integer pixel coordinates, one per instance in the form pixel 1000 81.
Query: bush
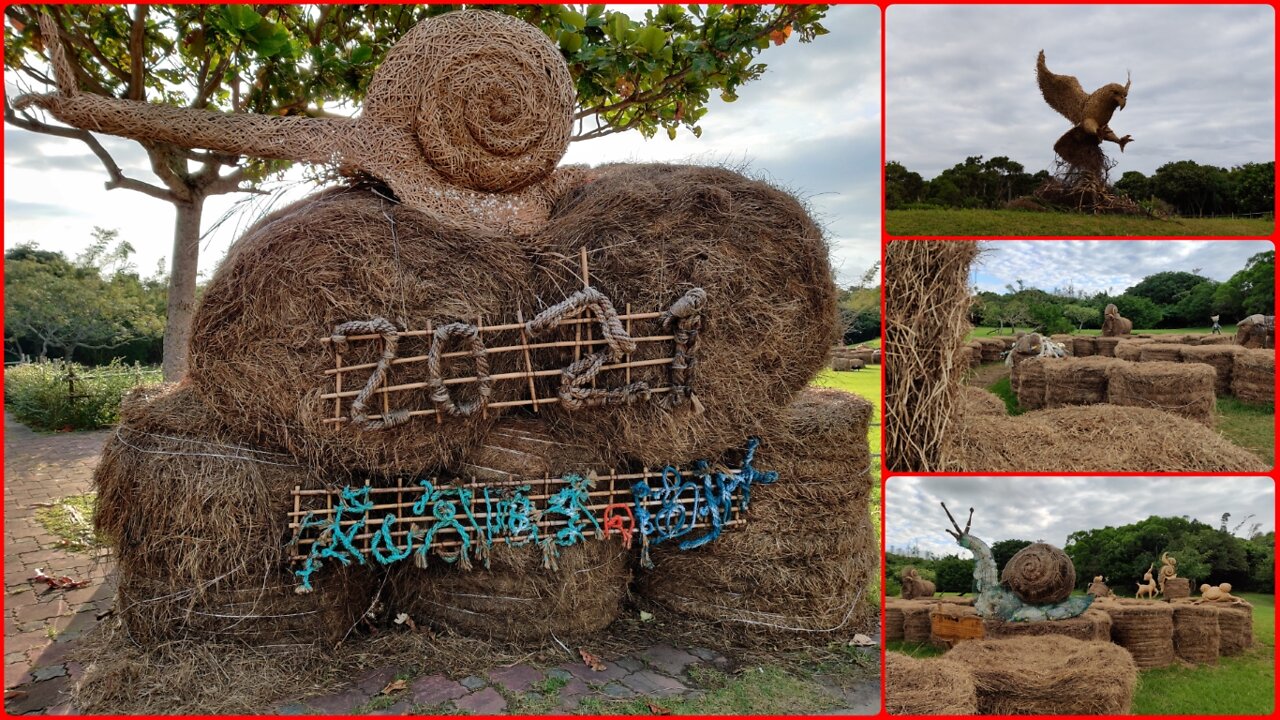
pixel 39 394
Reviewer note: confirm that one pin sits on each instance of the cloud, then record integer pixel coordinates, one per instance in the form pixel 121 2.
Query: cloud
pixel 961 81
pixel 1049 509
pixel 1106 265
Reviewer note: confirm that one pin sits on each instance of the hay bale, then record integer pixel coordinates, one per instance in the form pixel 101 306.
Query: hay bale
pixel 893 619
pixel 1169 339
pixel 1235 625
pixel 1196 635
pixel 1106 346
pixel 1040 574
pixel 1077 381
pixel 1129 350
pixel 1048 675
pixel 1222 358
pixel 1145 629
pixel 1178 388
pixel 916 624
pixel 784 580
pixel 1093 438
pixel 1084 346
pixel 1176 588
pixel 992 349
pixel 927 687
pixel 841 364
pixel 1032 382
pixel 1253 377
pixel 977 401
pixel 517 599
pixel 926 291
pixel 876 355
pixel 1218 340
pixel 1162 352
pixel 198 519
pixel 651 233
pixel 1093 624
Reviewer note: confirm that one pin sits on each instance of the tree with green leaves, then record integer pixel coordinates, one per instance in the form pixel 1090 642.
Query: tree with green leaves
pixel 954 574
pixel 1003 550
pixel 1081 314
pixel 649 74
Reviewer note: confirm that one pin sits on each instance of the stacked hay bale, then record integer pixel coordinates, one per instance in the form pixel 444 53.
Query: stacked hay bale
pixel 1178 388
pixel 1145 629
pixel 1048 675
pixel 977 401
pixel 1032 381
pixel 893 619
pixel 917 626
pixel 1093 624
pixel 1253 377
pixel 1170 339
pixel 769 582
pixel 1084 346
pixel 1077 381
pixel 1197 637
pixel 1067 341
pixel 1218 340
pixel 1222 358
pixel 1176 588
pixel 1131 350
pixel 1106 346
pixel 926 289
pixel 992 349
pixel 1235 627
pixel 1162 351
pixel 927 687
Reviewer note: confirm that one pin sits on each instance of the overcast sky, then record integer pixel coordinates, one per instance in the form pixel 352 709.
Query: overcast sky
pixel 1049 509
pixel 961 81
pixel 1105 265
pixel 811 124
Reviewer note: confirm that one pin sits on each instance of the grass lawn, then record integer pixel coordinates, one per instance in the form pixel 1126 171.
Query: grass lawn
pixel 1032 224
pixel 1240 685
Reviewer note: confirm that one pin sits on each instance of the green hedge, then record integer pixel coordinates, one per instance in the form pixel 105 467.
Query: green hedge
pixel 40 396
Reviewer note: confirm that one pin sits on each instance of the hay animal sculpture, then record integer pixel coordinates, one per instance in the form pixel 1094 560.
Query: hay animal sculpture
pixel 1098 588
pixel 1148 588
pixel 1113 324
pixel 1037 590
pixel 1220 593
pixel 377 334
pixel 1168 570
pixel 914 586
pixel 1257 331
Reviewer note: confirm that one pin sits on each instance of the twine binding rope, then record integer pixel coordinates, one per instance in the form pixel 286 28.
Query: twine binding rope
pixel 390 341
pixel 470 334
pixel 684 317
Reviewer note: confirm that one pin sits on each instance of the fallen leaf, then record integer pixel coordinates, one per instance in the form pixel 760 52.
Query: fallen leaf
pixel 395 686
pixel 861 640
pixel 592 661
pixel 646 616
pixel 658 709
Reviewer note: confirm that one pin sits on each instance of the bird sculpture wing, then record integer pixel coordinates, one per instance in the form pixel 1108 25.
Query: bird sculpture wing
pixel 1062 92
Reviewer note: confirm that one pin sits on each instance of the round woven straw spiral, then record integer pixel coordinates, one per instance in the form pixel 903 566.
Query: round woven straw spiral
pixel 488 96
pixel 1040 574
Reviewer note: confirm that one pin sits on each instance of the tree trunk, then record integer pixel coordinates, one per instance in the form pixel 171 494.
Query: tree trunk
pixel 182 287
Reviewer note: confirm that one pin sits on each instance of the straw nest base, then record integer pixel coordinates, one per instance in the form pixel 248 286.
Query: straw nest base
pixel 1093 438
pixel 928 687
pixel 1091 625
pixel 798 571
pixel 1048 675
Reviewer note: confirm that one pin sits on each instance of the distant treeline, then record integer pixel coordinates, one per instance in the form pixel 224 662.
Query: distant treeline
pixel 1205 554
pixel 1173 299
pixel 1186 187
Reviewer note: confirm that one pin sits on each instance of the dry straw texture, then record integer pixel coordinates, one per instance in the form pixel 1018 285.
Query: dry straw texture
pixel 1130 350
pixel 1084 346
pixel 1094 438
pixel 1032 385
pixel 1093 624
pixel 916 625
pixel 927 308
pixel 1235 624
pixel 1179 388
pixel 976 401
pixel 1066 341
pixel 197 519
pixel 1222 358
pixel 1076 381
pixel 927 687
pixel 784 580
pixel 653 232
pixel 1162 351
pixel 1048 675
pixel 1253 377
pixel 1196 636
pixel 1106 346
pixel 256 354
pixel 1145 629
pixel 1040 574
pixel 893 619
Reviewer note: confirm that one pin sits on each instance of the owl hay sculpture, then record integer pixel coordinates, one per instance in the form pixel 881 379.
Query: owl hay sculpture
pixel 480 391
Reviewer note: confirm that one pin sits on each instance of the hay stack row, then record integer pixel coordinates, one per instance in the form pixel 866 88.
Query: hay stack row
pixel 1182 389
pixel 868 355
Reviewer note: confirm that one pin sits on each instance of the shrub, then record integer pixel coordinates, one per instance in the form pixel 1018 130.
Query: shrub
pixel 40 396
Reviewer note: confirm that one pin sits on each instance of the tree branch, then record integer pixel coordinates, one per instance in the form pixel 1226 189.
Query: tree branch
pixel 118 179
pixel 137 33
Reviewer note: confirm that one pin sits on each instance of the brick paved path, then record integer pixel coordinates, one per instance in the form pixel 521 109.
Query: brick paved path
pixel 41 625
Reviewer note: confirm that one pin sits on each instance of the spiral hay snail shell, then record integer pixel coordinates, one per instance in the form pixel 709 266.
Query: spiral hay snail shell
pixel 1040 574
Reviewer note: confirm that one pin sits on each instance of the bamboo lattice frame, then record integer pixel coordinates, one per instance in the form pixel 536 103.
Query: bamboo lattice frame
pixel 345 377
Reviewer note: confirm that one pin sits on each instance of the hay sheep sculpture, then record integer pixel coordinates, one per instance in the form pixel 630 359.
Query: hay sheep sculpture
pixel 914 586
pixel 387 331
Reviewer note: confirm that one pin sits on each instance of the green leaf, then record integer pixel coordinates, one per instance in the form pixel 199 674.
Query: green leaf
pixel 362 54
pixel 671 133
pixel 573 19
pixel 618 25
pixel 570 42
pixel 728 96
pixel 241 17
pixel 652 39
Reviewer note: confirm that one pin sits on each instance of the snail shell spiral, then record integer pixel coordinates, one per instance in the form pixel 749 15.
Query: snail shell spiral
pixel 1040 574
pixel 488 96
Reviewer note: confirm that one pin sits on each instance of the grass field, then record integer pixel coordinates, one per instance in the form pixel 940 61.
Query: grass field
pixel 1034 224
pixel 1240 685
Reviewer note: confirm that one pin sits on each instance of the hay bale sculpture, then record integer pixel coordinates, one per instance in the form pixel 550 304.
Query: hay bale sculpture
pixel 1113 325
pixel 914 586
pixel 1257 332
pixel 1098 588
pixel 477 388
